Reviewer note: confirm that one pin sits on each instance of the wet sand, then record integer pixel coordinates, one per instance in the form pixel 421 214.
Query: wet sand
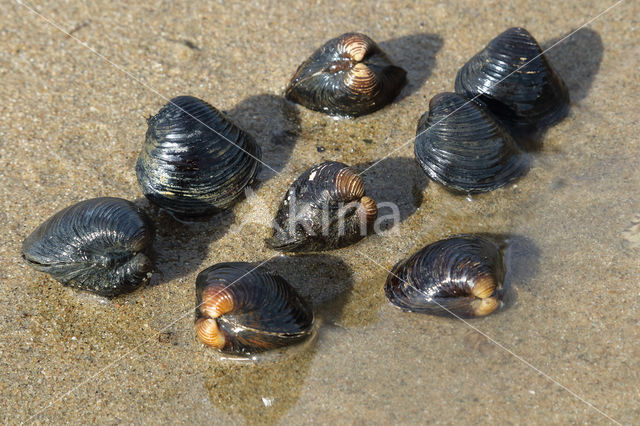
pixel 564 349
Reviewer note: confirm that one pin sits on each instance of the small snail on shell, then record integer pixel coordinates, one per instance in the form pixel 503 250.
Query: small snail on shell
pixel 98 245
pixel 461 276
pixel 460 145
pixel 513 78
pixel 194 161
pixel 325 208
pixel 242 309
pixel 348 76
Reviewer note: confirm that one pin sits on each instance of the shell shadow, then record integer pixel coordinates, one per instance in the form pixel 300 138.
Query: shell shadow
pixel 577 59
pixel 275 124
pixel 522 260
pixel 324 280
pixel 262 393
pixel 416 53
pixel 180 248
pixel 397 185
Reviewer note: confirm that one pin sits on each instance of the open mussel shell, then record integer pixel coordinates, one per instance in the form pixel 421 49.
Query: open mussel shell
pixel 460 276
pixel 194 161
pixel 325 208
pixel 243 309
pixel 462 146
pixel 348 76
pixel 98 245
pixel 514 79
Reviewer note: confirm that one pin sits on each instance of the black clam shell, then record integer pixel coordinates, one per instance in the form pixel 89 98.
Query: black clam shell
pixel 96 245
pixel 250 309
pixel 194 161
pixel 462 146
pixel 514 79
pixel 460 276
pixel 348 76
pixel 325 208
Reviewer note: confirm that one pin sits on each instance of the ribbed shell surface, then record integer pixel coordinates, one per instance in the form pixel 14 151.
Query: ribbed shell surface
pixel 309 216
pixel 533 95
pixel 328 81
pixel 460 145
pixel 442 274
pixel 194 161
pixel 267 313
pixel 96 245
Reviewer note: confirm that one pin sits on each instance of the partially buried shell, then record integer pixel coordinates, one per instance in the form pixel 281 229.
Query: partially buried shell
pixel 460 276
pixel 242 309
pixel 348 76
pixel 194 161
pixel 462 146
pixel 513 78
pixel 325 208
pixel 97 245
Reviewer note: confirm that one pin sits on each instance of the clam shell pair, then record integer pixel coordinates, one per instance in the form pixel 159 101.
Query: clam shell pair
pixel 348 76
pixel 99 245
pixel 325 208
pixel 243 309
pixel 460 276
pixel 465 141
pixel 194 161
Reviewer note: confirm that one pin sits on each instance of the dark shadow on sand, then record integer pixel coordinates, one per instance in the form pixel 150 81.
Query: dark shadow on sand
pixel 324 280
pixel 577 59
pixel 522 261
pixel 416 53
pixel 180 247
pixel 395 181
pixel 274 123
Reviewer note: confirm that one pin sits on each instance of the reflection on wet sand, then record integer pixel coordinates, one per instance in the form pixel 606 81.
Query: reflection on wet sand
pixel 262 392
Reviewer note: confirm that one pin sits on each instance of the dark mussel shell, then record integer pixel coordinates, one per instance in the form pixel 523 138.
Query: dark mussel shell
pixel 325 208
pixel 348 76
pixel 526 98
pixel 460 276
pixel 96 245
pixel 460 145
pixel 194 161
pixel 242 309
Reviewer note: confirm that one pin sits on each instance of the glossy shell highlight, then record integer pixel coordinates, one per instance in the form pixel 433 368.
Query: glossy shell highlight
pixel 98 245
pixel 242 309
pixel 463 147
pixel 348 76
pixel 460 276
pixel 526 98
pixel 325 208
pixel 194 161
